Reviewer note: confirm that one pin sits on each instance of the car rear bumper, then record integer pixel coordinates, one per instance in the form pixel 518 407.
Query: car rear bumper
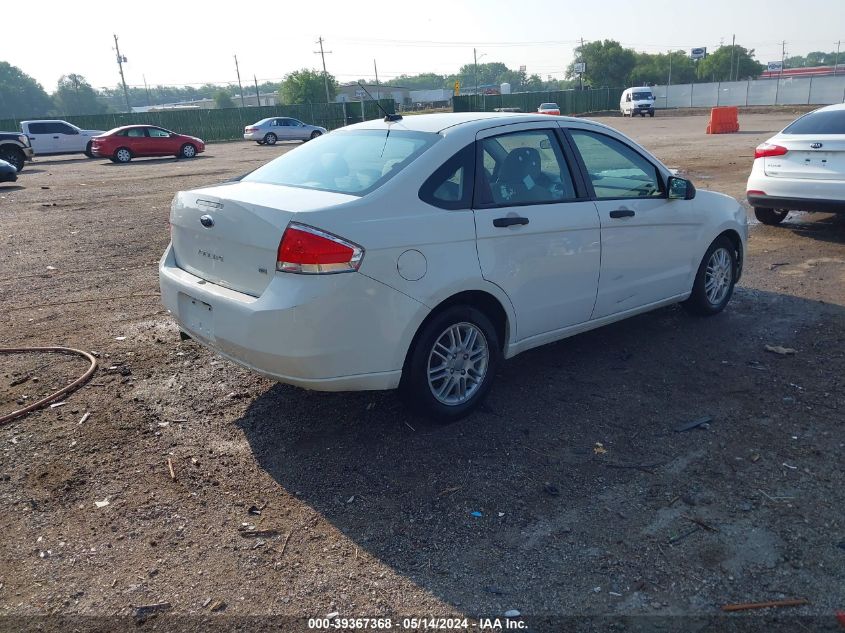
pixel 342 332
pixel 762 201
pixel 253 136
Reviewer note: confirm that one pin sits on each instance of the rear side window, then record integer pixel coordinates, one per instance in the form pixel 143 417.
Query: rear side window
pixel 135 132
pixel 450 187
pixel 39 128
pixel 355 162
pixel 825 122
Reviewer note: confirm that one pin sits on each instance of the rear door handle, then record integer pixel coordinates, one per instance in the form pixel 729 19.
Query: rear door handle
pixel 622 213
pixel 509 221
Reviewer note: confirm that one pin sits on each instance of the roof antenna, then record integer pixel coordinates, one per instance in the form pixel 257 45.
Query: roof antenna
pixel 388 118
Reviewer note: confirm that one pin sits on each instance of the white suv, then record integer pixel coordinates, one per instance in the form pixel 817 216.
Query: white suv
pixel 58 137
pixel 802 168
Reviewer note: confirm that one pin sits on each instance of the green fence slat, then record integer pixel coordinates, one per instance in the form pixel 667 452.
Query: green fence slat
pixel 570 101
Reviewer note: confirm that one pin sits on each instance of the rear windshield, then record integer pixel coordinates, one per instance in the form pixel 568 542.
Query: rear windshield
pixel 642 96
pixel 354 162
pixel 824 122
pixel 548 106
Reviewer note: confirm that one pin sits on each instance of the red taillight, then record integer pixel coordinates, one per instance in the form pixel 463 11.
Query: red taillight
pixel 765 150
pixel 250 129
pixel 304 249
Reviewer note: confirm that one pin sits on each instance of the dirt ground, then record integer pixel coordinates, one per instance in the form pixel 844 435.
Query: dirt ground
pixel 590 502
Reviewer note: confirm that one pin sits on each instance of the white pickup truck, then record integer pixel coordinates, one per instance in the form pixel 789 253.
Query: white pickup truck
pixel 58 137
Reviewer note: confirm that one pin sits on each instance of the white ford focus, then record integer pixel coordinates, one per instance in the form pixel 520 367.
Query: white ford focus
pixel 419 252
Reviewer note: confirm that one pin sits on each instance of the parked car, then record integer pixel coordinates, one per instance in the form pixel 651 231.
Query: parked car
pixel 8 172
pixel 268 131
pixel 376 257
pixel 801 168
pixel 549 108
pixel 122 144
pixel 58 137
pixel 15 149
pixel 639 100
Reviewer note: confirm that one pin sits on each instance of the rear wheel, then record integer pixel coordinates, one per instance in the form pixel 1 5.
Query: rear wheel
pixel 14 156
pixel 122 155
pixel 270 138
pixel 188 151
pixel 260 142
pixel 771 216
pixel 451 366
pixel 714 282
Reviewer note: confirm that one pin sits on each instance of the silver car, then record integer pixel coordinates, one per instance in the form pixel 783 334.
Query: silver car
pixel 268 131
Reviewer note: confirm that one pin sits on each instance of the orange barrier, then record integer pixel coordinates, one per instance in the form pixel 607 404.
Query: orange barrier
pixel 723 120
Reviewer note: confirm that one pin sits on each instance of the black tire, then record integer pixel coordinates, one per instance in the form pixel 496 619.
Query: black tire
pixel 270 138
pixel 315 134
pixel 642 114
pixel 651 114
pixel 122 155
pixel 699 302
pixel 260 142
pixel 416 388
pixel 88 151
pixel 188 150
pixel 14 156
pixel 771 216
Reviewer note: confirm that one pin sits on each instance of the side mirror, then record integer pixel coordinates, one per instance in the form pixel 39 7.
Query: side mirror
pixel 681 189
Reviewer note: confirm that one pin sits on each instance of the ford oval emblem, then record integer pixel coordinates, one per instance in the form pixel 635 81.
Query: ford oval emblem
pixel 207 221
pixel 816 145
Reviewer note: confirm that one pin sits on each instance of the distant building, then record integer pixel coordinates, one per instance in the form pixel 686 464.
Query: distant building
pixel 266 99
pixel 354 92
pixel 431 98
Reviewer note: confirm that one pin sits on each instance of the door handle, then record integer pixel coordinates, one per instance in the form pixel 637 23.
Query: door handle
pixel 55 137
pixel 622 213
pixel 509 221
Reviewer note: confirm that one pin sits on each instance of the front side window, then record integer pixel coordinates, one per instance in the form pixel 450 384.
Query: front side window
pixel 825 122
pixel 616 170
pixel 64 128
pixel 354 162
pixel 135 132
pixel 524 168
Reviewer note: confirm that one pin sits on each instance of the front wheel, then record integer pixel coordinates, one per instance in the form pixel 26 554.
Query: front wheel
pixel 715 279
pixel 315 134
pixel 88 151
pixel 188 151
pixel 451 365
pixel 651 114
pixel 771 216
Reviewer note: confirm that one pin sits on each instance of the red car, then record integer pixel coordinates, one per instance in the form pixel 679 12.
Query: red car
pixel 122 144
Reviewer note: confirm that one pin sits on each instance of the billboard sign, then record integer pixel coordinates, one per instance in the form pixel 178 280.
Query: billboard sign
pixel 698 53
pixel 580 68
pixel 774 67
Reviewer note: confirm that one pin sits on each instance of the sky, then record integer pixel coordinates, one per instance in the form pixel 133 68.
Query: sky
pixel 185 42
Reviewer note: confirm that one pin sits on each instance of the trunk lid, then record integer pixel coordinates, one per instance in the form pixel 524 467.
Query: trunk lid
pixel 816 157
pixel 229 234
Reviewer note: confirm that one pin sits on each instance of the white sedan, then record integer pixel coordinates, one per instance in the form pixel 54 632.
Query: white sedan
pixel 802 168
pixel 419 253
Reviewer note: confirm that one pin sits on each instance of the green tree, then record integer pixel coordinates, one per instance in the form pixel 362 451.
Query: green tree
pixel 20 95
pixel 724 64
pixel 423 81
pixel 608 63
pixel 816 58
pixel 654 69
pixel 306 86
pixel 75 95
pixel 223 100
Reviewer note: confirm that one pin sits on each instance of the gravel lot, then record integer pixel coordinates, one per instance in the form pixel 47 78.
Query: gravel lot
pixel 591 502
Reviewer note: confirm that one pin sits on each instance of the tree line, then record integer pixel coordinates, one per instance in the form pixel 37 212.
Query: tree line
pixel 608 64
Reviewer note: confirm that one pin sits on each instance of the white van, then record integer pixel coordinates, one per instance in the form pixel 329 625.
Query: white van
pixel 639 100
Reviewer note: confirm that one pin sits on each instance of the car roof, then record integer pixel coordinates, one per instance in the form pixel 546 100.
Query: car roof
pixel 835 106
pixel 439 123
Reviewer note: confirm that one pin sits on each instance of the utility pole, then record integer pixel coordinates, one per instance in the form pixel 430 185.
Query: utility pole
pixel 257 95
pixel 238 71
pixel 733 49
pixel 323 56
pixel 836 59
pixel 146 89
pixel 475 62
pixel 580 75
pixel 378 94
pixel 669 82
pixel 120 62
pixel 780 75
